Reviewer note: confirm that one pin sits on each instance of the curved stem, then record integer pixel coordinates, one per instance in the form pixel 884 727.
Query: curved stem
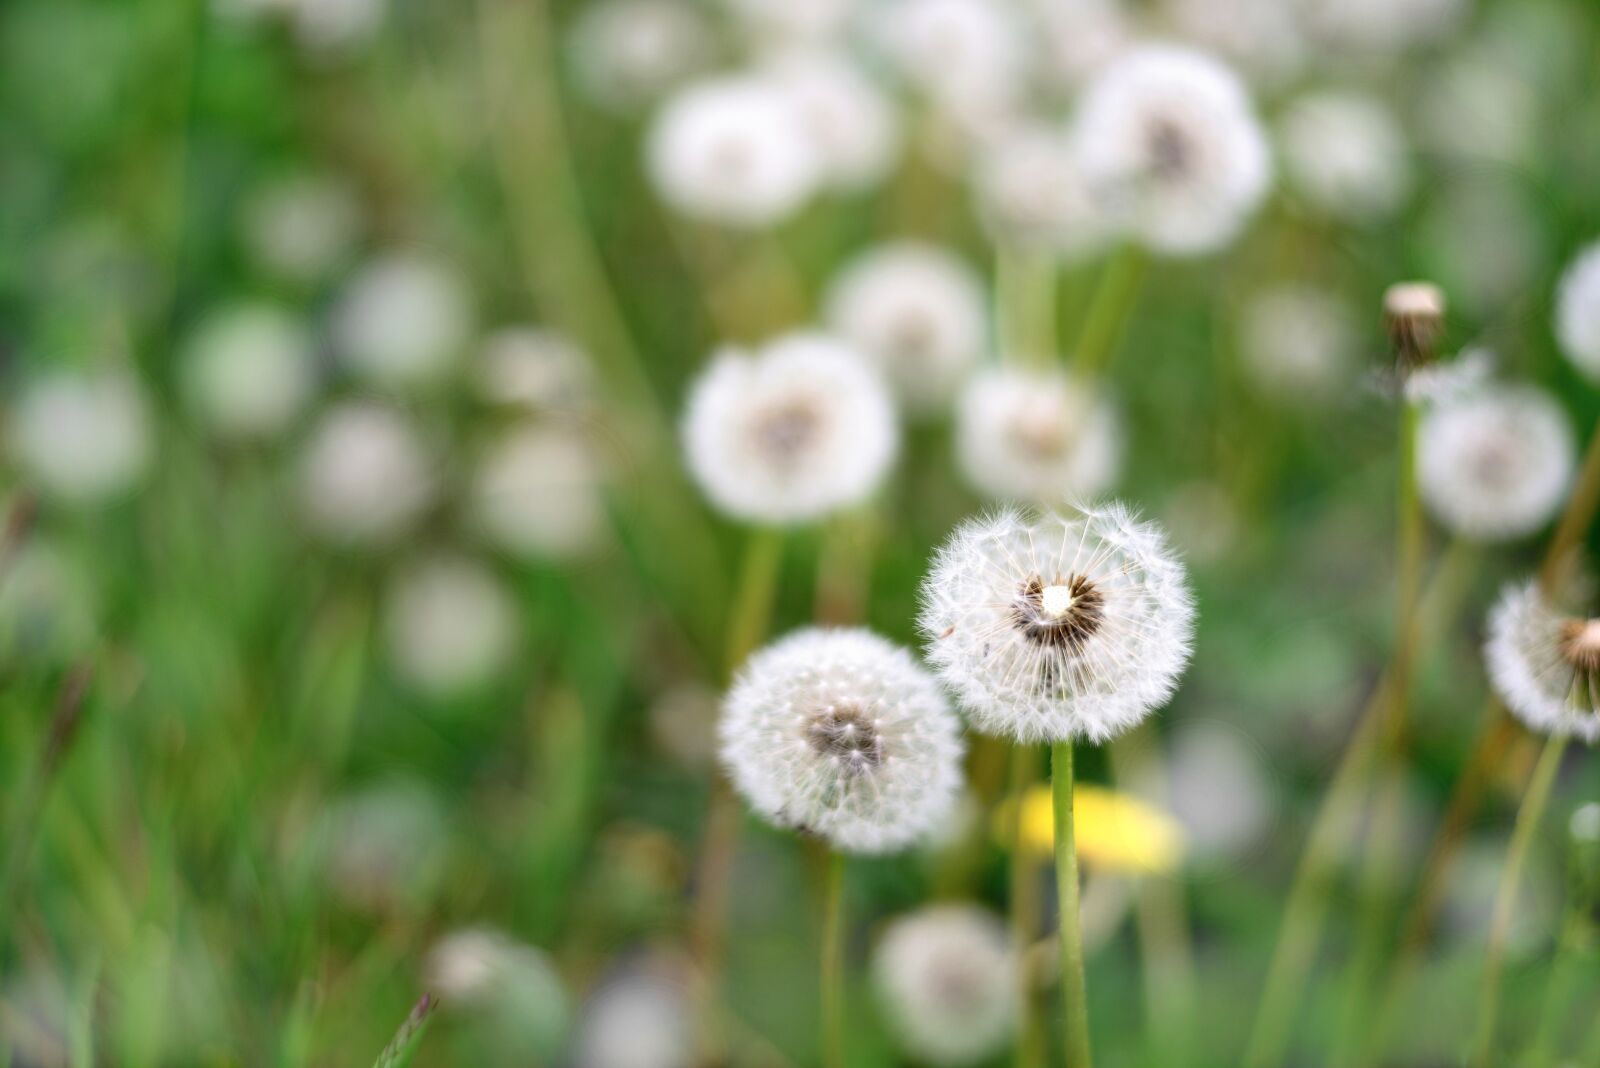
pixel 1529 815
pixel 833 965
pixel 1030 1049
pixel 1074 990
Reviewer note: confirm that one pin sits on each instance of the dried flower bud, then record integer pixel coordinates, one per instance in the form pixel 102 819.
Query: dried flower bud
pixel 1413 313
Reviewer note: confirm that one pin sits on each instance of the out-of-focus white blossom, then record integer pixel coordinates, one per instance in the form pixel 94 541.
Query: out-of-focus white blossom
pixel 800 428
pixel 1578 312
pixel 918 313
pixel 1495 464
pixel 539 492
pixel 365 475
pixel 1487 239
pixel 47 608
pixel 451 625
pixel 968 57
pixel 1474 107
pixel 516 998
pixel 630 53
pixel 1215 784
pixel 735 150
pixel 301 227
pixel 852 123
pixel 842 734
pixel 248 370
pixel 683 724
pixel 784 24
pixel 82 437
pixel 640 1016
pixel 1036 436
pixel 1380 26
pixel 385 846
pixel 1032 193
pixel 535 370
pixel 1076 38
pixel 1058 626
pixel 1169 140
pixel 1263 37
pixel 947 978
pixel 1346 154
pixel 1298 343
pixel 1545 664
pixel 403 321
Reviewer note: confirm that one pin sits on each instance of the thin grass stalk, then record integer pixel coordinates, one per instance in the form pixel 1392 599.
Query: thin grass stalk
pixel 1024 908
pixel 1110 308
pixel 1529 815
pixel 1074 990
pixel 403 1047
pixel 1565 972
pixel 832 972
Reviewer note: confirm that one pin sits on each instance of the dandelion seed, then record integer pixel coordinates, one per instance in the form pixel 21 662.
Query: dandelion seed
pixel 842 734
pixel 799 429
pixel 733 150
pixel 249 370
pixel 1169 141
pixel 1544 664
pixel 1495 464
pixel 403 321
pixel 948 982
pixel 82 437
pixel 365 475
pixel 1578 312
pixel 1055 627
pixel 1036 436
pixel 918 313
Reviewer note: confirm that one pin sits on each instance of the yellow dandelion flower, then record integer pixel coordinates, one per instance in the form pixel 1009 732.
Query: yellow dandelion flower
pixel 1115 831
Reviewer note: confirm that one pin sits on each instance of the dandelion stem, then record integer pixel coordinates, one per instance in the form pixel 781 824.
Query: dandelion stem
pixel 1109 309
pixel 1529 815
pixel 1073 989
pixel 1030 1051
pixel 1026 280
pixel 833 964
pixel 1564 975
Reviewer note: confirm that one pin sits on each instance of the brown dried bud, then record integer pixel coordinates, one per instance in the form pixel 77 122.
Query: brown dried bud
pixel 1413 313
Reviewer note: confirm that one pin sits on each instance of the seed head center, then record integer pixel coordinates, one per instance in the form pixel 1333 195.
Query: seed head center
pixel 1057 601
pixel 846 733
pixel 1580 644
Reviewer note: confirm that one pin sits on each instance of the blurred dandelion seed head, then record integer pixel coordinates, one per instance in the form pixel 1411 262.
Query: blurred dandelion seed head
pixel 1544 664
pixel 365 476
pixel 249 369
pixel 1578 312
pixel 1036 436
pixel 948 982
pixel 82 437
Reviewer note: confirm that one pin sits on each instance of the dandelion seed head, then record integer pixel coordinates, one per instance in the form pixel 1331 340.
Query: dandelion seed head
pixel 365 475
pixel 918 313
pixel 629 53
pixel 1077 38
pixel 81 437
pixel 1264 38
pixel 639 1017
pixel 1032 193
pixel 800 428
pixel 1346 154
pixel 1380 27
pixel 853 126
pixel 451 625
pixel 967 57
pixel 1545 664
pixel 948 983
pixel 301 227
pixel 1298 343
pixel 1578 312
pixel 733 150
pixel 1495 464
pixel 248 370
pixel 402 321
pixel 538 492
pixel 1036 436
pixel 1169 141
pixel 1088 660
pixel 842 734
pixel 534 369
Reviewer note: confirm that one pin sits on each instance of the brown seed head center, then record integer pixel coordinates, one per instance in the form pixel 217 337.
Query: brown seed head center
pixel 847 734
pixel 1580 644
pixel 784 431
pixel 1063 614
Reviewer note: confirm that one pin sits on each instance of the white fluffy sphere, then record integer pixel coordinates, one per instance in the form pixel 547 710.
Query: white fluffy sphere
pixel 301 227
pixel 947 978
pixel 1169 139
pixel 853 126
pixel 1346 154
pixel 1298 343
pixel 249 370
pixel 629 53
pixel 1058 626
pixel 918 313
pixel 1545 665
pixel 1495 463
pixel 365 475
pixel 799 429
pixel 451 625
pixel 1578 312
pixel 534 369
pixel 966 56
pixel 1032 193
pixel 538 492
pixel 1036 436
pixel 734 150
pixel 403 321
pixel 82 437
pixel 842 734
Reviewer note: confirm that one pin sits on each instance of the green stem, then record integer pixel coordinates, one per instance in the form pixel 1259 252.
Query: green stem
pixel 1026 285
pixel 1109 310
pixel 1030 1049
pixel 833 964
pixel 1529 815
pixel 1564 975
pixel 1074 991
pixel 758 587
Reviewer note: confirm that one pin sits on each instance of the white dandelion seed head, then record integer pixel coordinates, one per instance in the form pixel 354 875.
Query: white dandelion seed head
pixel 842 734
pixel 1215 783
pixel 1578 312
pixel 639 1017
pixel 1477 108
pixel 384 846
pixel 629 53
pixel 1448 381
pixel 785 24
pixel 853 126
pixel 301 227
pixel 1584 824
pixel 249 369
pixel 948 983
pixel 1056 626
pixel 1545 664
pixel 539 492
pixel 918 312
pixel 1076 38
pixel 1169 139
pixel 402 321
pixel 336 25
pixel 81 437
pixel 1036 436
pixel 1380 27
pixel 47 605
pixel 967 57
pixel 451 625
pixel 1264 38
pixel 366 475
pixel 1345 153
pixel 465 964
pixel 801 428
pixel 733 150
pixel 683 724
pixel 1495 464
pixel 1032 192
pixel 1488 240
pixel 1298 343
pixel 535 370
pixel 518 1002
